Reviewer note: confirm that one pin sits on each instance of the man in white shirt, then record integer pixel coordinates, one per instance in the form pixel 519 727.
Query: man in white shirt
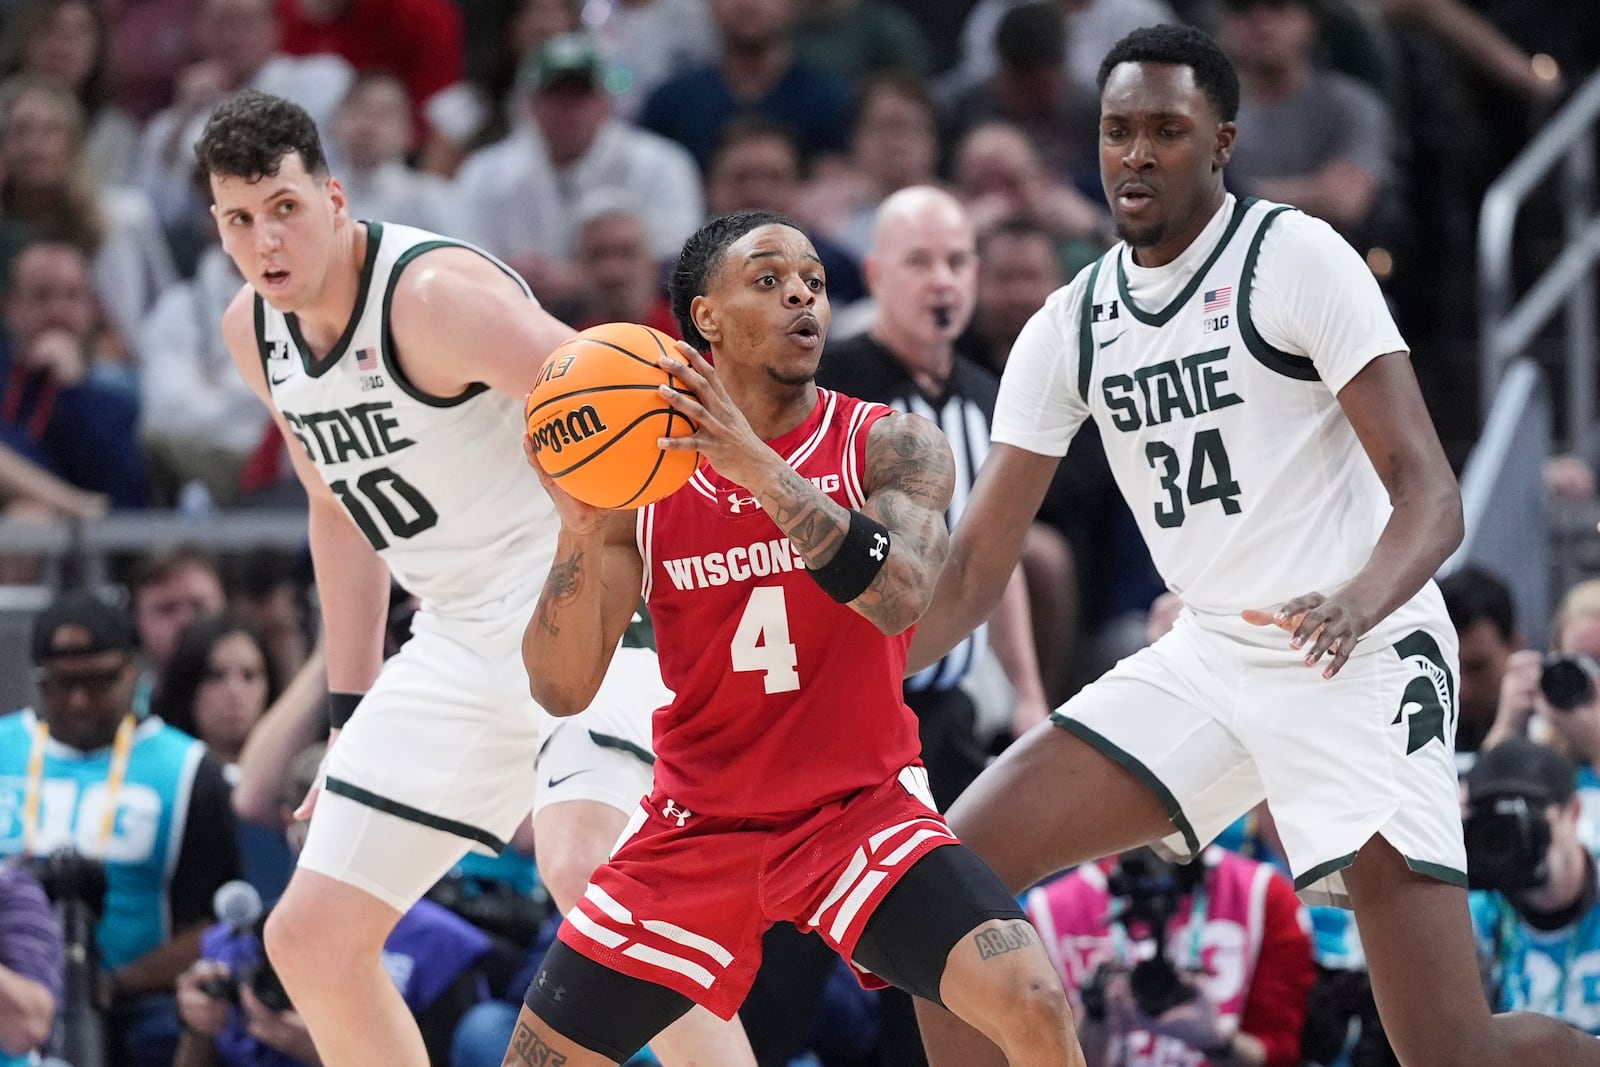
pixel 518 199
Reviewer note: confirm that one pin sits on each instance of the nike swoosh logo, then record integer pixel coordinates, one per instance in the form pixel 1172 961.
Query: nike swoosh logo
pixel 553 782
pixel 1113 341
pixel 280 381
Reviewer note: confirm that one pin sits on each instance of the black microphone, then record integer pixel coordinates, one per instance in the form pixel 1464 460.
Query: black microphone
pixel 238 905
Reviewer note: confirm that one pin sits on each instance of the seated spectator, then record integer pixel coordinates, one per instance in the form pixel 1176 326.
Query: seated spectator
pixel 1224 933
pixel 518 199
pixel 1017 269
pixel 1030 89
pixel 1537 911
pixel 857 38
pixel 756 166
pixel 1313 138
pixel 619 277
pixel 217 685
pixel 140 798
pixel 999 174
pixel 48 192
pixel 149 45
pixel 432 956
pixel 169 588
pixel 369 133
pixel 758 74
pixel 1526 710
pixel 30 966
pixel 199 421
pixel 1092 27
pixel 1485 620
pixel 56 411
pixel 236 44
pixel 648 41
pixel 66 40
pixel 894 143
pixel 419 40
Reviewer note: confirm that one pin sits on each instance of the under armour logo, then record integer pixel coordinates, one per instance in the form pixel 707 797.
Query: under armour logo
pixel 737 503
pixel 672 811
pixel 879 543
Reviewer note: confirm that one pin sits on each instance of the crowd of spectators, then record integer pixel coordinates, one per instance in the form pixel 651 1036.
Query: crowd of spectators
pixel 943 159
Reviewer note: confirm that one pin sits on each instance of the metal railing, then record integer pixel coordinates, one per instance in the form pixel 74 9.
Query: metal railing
pixel 1508 323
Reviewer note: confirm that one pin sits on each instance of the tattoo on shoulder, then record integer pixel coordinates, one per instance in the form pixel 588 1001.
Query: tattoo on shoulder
pixel 911 456
pixel 528 1047
pixel 1004 939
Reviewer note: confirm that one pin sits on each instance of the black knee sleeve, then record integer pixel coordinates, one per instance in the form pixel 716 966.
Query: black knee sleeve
pixel 949 893
pixel 603 1010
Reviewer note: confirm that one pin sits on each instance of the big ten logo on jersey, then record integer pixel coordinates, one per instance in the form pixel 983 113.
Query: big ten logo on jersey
pixel 360 431
pixel 739 503
pixel 1214 307
pixel 73 816
pixel 367 369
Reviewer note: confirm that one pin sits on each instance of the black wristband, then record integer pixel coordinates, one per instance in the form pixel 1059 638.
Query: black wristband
pixel 340 707
pixel 861 556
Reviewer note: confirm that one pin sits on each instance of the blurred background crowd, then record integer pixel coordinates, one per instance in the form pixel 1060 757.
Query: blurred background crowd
pixel 581 141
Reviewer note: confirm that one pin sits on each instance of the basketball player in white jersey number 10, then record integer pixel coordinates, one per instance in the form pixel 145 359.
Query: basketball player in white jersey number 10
pixel 1261 417
pixel 394 362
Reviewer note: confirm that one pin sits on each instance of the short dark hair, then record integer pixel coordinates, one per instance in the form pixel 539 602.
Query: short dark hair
pixel 1031 36
pixel 1180 46
pixel 1473 594
pixel 702 256
pixel 251 133
pixel 162 563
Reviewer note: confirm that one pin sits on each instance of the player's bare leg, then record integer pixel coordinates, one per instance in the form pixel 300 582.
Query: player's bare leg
pixel 1049 802
pixel 571 839
pixel 999 979
pixel 1424 969
pixel 325 939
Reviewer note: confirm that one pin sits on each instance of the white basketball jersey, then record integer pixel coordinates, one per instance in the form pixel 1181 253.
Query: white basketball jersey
pixel 438 485
pixel 1248 483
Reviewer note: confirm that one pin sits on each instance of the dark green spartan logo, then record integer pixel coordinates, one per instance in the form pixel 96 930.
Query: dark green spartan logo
pixel 1429 697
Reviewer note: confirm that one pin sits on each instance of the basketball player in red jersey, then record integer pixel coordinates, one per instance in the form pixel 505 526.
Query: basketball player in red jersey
pixel 783 581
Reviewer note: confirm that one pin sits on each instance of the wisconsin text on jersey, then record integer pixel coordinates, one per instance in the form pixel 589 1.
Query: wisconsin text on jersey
pixel 738 564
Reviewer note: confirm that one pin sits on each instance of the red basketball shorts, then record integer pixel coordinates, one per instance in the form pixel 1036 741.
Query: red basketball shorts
pixel 686 897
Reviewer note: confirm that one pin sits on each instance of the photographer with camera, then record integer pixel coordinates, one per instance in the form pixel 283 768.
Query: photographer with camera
pixel 234 1009
pixel 30 966
pixel 111 806
pixel 1537 910
pixel 1205 963
pixel 1555 698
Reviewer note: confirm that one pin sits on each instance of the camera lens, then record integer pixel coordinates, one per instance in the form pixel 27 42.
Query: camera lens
pixel 1567 682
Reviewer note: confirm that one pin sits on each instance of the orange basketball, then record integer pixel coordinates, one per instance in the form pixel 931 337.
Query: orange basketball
pixel 595 415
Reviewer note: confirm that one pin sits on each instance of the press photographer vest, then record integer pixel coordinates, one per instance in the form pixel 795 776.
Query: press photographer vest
pixel 146 832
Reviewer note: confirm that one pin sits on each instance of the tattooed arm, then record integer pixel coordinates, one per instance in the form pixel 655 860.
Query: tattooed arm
pixel 909 477
pixel 585 605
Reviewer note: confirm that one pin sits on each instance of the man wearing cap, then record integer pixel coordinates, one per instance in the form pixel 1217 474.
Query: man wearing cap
pixel 81 772
pixel 1538 919
pixel 519 198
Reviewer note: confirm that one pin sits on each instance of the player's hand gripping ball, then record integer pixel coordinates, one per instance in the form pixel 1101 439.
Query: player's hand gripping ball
pixel 595 415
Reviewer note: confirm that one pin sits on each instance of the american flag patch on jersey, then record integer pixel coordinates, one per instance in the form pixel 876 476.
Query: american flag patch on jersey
pixel 1217 299
pixel 367 359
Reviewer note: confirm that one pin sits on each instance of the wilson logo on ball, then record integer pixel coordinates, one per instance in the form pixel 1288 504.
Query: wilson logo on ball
pixel 561 431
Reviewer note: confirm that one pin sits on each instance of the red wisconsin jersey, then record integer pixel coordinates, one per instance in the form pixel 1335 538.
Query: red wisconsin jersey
pixel 784 698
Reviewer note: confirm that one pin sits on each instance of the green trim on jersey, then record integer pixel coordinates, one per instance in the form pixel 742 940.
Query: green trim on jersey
pixel 1322 870
pixel 340 787
pixel 262 348
pixel 1160 318
pixel 315 368
pixel 388 338
pixel 618 744
pixel 1145 775
pixel 641 631
pixel 1274 359
pixel 1085 333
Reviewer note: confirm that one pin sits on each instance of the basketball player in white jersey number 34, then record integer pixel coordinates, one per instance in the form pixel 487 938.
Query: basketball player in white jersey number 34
pixel 1261 417
pixel 394 362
